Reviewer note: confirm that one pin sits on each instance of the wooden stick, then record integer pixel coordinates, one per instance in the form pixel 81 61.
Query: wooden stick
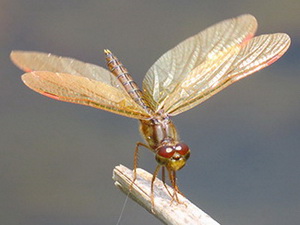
pixel 164 209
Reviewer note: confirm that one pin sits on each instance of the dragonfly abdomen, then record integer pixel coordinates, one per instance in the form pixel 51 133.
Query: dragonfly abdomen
pixel 117 68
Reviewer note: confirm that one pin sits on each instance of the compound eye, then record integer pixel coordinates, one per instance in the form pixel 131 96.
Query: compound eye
pixel 165 151
pixel 182 148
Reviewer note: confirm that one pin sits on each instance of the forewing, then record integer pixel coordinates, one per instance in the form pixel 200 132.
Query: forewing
pixel 214 75
pixel 39 61
pixel 163 77
pixel 81 90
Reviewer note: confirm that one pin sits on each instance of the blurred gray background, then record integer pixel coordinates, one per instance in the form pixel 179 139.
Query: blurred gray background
pixel 56 159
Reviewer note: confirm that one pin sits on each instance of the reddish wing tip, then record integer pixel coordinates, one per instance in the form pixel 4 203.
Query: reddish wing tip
pixel 51 95
pixel 28 77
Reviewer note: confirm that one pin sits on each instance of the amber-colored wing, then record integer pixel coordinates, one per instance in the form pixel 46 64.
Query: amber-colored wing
pixel 210 44
pixel 87 84
pixel 39 61
pixel 213 75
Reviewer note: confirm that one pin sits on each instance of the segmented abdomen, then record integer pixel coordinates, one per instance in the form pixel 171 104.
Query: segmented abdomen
pixel 117 68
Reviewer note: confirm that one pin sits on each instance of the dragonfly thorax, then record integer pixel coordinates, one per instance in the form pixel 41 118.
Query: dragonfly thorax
pixel 158 132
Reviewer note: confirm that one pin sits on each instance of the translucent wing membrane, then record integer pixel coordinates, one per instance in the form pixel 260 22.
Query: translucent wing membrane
pixel 212 76
pixel 258 53
pixel 81 90
pixel 182 78
pixel 74 81
pixel 38 61
pixel 210 44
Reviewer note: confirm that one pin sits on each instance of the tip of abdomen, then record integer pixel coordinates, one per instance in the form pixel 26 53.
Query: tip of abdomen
pixel 107 51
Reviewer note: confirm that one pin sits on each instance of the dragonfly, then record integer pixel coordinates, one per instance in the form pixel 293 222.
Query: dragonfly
pixel 182 78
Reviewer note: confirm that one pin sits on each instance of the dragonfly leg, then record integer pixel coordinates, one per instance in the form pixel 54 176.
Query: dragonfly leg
pixel 163 177
pixel 172 175
pixel 136 157
pixel 175 184
pixel 152 186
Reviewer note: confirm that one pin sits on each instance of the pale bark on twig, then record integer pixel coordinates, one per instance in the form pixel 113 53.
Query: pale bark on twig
pixel 164 209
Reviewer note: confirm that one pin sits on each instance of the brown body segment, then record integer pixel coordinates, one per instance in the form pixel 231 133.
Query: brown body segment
pixel 158 132
pixel 117 68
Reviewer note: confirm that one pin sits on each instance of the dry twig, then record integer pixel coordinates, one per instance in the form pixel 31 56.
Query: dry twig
pixel 168 212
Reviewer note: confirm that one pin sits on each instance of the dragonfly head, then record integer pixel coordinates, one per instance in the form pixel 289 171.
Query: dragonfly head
pixel 173 157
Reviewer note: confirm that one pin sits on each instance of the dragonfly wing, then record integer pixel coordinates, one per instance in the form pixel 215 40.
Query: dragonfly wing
pixel 39 61
pixel 214 75
pixel 163 77
pixel 81 90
